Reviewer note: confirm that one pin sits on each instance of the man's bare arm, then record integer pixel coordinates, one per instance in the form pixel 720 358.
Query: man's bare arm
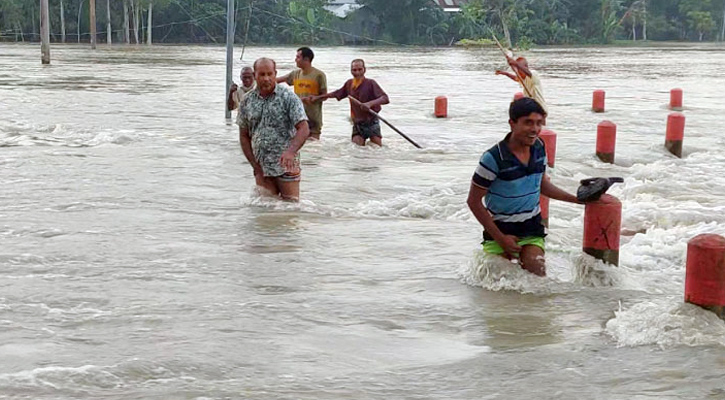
pixel 552 191
pixel 283 78
pixel 288 157
pixel 509 75
pixel 303 132
pixel 475 203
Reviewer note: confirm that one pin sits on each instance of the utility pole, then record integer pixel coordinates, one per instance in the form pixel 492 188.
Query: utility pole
pixel 644 28
pixel 92 6
pixel 109 33
pixel 722 35
pixel 230 54
pixel 44 33
pixel 62 23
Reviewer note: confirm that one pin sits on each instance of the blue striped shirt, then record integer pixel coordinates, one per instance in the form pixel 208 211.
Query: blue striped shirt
pixel 513 188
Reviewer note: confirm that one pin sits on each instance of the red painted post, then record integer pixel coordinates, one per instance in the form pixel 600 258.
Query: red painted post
pixel 675 133
pixel 606 141
pixel 441 107
pixel 549 139
pixel 602 225
pixel 544 204
pixel 598 101
pixel 705 273
pixel 676 99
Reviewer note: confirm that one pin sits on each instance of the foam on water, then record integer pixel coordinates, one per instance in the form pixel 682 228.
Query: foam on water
pixel 14 133
pixel 443 202
pixel 665 323
pixel 59 378
pixel 565 273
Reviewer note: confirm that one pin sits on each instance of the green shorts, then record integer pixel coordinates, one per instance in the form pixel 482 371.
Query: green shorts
pixel 491 247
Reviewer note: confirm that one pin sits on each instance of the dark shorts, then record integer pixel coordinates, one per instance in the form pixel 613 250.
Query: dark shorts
pixel 314 127
pixel 367 129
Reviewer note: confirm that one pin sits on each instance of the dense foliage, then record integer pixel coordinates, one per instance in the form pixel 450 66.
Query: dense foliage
pixel 521 22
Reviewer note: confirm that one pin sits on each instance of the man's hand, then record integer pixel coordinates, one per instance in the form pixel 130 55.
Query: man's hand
pixel 509 244
pixel 233 88
pixel 498 72
pixel 308 99
pixel 288 161
pixel 366 106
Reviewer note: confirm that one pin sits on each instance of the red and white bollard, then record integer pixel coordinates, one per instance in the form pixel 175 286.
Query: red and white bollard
pixel 705 274
pixel 598 101
pixel 441 107
pixel 676 99
pixel 544 204
pixel 606 141
pixel 602 225
pixel 549 139
pixel 675 133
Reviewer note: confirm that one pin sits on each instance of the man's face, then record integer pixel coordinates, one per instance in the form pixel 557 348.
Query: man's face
pixel 526 129
pixel 247 77
pixel 357 69
pixel 299 61
pixel 266 76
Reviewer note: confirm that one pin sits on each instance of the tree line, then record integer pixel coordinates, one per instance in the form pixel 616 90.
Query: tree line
pixel 410 22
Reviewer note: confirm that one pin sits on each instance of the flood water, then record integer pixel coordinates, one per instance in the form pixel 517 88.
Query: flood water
pixel 136 262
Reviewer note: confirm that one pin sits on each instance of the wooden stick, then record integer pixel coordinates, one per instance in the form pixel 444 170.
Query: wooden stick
pixel 516 71
pixel 388 123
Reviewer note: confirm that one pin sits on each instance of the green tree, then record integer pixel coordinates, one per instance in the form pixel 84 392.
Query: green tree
pixel 701 22
pixel 401 19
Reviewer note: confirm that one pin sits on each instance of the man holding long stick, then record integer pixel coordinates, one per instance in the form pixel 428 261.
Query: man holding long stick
pixel 527 77
pixel 366 125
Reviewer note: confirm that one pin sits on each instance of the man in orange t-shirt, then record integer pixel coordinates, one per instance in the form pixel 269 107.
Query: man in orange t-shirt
pixel 308 82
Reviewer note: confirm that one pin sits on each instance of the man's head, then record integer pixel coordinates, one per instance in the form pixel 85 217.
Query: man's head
pixel 304 57
pixel 526 118
pixel 247 76
pixel 357 68
pixel 523 61
pixel 265 73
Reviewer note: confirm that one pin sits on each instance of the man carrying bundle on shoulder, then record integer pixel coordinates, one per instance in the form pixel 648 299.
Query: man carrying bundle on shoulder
pixel 527 77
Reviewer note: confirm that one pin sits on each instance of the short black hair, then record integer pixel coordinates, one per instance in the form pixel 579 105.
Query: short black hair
pixel 360 60
pixel 524 107
pixel 307 53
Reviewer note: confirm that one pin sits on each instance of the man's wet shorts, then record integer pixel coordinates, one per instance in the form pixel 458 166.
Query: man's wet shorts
pixel 291 176
pixel 491 247
pixel 367 129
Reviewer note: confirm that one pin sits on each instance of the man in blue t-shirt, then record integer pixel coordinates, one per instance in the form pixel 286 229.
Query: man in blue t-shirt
pixel 510 176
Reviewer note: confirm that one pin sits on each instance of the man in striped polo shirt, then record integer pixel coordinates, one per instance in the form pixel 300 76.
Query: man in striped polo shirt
pixel 510 176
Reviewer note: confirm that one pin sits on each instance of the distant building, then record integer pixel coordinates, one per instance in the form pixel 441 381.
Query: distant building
pixel 450 5
pixel 342 8
pixel 358 21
